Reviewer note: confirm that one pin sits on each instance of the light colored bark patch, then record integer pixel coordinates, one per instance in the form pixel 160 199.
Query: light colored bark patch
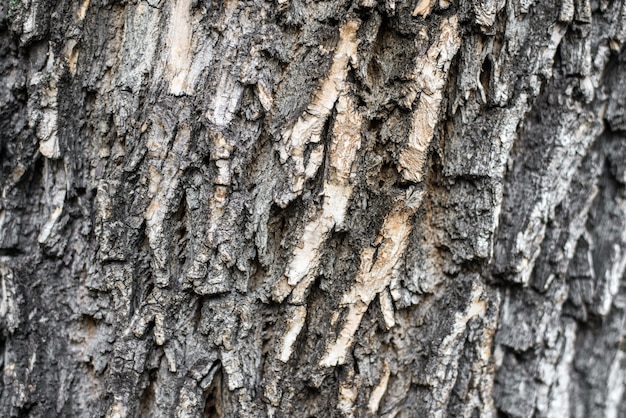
pixel 294 323
pixel 566 14
pixel 308 128
pixel 47 125
pixel 164 170
pixel 449 353
pixel 265 96
pixel 55 182
pixel 82 10
pixel 430 78
pixel 300 273
pixel 9 309
pixel 477 307
pixel 348 393
pixel 118 410
pixel 546 62
pixel 615 386
pixel 225 102
pixel 486 11
pixel 71 55
pixel 374 275
pixel 380 389
pixel 47 133
pixel 346 140
pixel 30 21
pixel 179 43
pixel 560 393
pixel 386 307
pixel 46 229
pixel 423 8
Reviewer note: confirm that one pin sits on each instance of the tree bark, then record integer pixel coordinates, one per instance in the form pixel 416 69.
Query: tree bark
pixel 332 208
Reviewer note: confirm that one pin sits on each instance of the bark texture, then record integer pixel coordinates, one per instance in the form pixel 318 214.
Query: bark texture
pixel 246 208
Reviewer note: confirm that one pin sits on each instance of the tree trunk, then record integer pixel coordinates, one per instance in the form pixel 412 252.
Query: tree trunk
pixel 313 209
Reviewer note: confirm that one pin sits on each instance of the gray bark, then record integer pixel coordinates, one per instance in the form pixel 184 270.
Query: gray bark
pixel 332 208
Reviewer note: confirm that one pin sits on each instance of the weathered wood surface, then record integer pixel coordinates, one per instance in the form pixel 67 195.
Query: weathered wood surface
pixel 332 208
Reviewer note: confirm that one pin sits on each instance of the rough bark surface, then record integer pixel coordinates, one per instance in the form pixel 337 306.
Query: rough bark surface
pixel 245 208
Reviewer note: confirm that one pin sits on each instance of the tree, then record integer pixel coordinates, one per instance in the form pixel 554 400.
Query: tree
pixel 331 208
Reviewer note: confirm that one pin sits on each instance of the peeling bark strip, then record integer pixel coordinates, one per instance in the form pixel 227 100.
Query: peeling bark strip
pixel 337 190
pixel 323 208
pixel 430 79
pixel 373 277
pixel 308 128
